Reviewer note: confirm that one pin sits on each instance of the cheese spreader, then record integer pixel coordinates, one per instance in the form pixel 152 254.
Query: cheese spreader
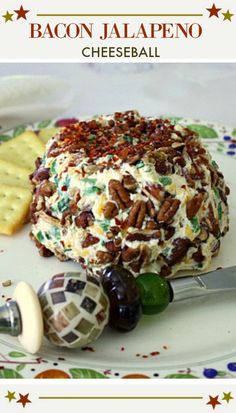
pixel 72 309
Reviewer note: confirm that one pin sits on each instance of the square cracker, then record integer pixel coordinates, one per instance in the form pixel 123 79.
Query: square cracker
pixel 47 133
pixel 22 150
pixel 14 208
pixel 13 175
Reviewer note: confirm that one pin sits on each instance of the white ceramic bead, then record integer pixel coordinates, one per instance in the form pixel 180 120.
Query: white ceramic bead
pixel 31 317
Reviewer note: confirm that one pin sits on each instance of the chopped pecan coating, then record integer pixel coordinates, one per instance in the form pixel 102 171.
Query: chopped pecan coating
pixel 43 251
pixel 143 236
pixel 84 219
pixel 137 214
pixel 180 161
pixel 104 257
pixel 129 254
pixel 215 248
pixel 193 205
pixel 89 240
pixel 142 260
pixel 169 232
pixel 180 248
pixel 168 210
pixel 130 183
pixel 151 209
pixel 165 271
pixel 155 191
pixel 151 225
pixel 46 188
pixel 110 210
pixel 40 175
pixel 113 246
pixel 149 215
pixel 212 222
pixel 198 256
pixel 119 194
pixel 163 167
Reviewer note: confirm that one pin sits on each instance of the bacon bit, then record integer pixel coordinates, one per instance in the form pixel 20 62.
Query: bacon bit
pixel 165 347
pixel 60 358
pixel 122 349
pixel 76 137
pixel 91 349
pixel 155 353
pixel 145 356
pixel 64 188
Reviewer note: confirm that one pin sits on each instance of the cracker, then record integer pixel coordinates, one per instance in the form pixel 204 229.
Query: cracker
pixel 22 150
pixel 14 208
pixel 13 175
pixel 47 133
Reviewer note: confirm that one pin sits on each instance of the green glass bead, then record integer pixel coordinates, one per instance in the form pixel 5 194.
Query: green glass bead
pixel 154 291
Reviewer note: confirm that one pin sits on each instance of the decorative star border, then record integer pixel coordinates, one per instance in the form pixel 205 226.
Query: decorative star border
pixel 215 11
pixel 215 401
pixel 22 399
pixel 20 14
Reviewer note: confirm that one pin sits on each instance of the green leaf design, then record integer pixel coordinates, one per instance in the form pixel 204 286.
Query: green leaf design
pixel 181 376
pixel 15 354
pixel 4 138
pixel 18 131
pixel 86 374
pixel 221 373
pixel 234 132
pixel 10 374
pixel 203 131
pixel 20 367
pixel 44 124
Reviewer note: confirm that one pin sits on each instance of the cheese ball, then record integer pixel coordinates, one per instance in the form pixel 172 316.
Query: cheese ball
pixel 129 190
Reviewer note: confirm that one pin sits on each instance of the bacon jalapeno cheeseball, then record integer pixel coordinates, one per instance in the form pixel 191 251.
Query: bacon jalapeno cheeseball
pixel 131 190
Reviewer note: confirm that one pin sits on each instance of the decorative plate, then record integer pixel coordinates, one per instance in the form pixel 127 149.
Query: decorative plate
pixel 192 339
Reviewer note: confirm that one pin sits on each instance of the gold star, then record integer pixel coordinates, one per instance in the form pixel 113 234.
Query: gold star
pixel 227 397
pixel 227 15
pixel 10 395
pixel 8 17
